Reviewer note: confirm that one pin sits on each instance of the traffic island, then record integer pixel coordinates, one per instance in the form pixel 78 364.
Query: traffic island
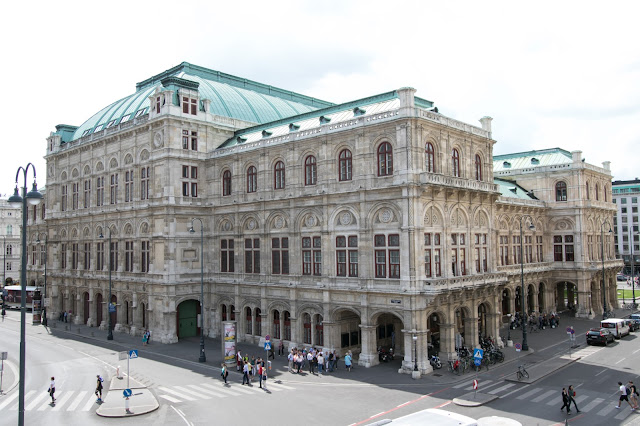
pixel 474 399
pixel 139 399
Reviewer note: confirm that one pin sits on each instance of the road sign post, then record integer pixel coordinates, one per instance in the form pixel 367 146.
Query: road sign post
pixel 133 354
pixel 3 356
pixel 475 388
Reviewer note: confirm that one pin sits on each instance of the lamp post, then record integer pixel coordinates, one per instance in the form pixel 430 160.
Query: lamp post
pixel 16 201
pixel 604 282
pixel 4 270
pixel 415 352
pixel 202 358
pixel 633 271
pixel 44 306
pixel 525 346
pixel 508 329
pixel 110 333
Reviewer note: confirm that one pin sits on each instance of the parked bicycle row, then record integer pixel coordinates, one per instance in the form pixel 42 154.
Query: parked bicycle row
pixel 535 321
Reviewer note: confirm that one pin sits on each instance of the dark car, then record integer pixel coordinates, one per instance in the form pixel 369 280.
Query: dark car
pixel 621 277
pixel 599 335
pixel 634 324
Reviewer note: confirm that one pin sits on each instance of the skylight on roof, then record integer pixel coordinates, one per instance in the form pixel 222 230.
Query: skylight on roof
pixel 535 161
pixel 125 118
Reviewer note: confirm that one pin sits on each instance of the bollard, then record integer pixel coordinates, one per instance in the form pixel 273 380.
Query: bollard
pixel 126 406
pixel 118 375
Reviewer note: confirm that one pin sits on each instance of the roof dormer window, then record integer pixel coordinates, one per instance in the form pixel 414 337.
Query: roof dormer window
pixel 189 105
pixel 86 132
pixel 139 112
pixel 111 123
pixel 125 118
pixel 97 129
pixel 506 165
pixel 535 161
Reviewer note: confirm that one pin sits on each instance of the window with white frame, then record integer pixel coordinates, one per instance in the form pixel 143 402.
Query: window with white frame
pixel 189 181
pixel 113 189
pixel 387 256
pixel 347 255
pixel 252 255
pixel 128 186
pixel 227 255
pixel 458 254
pixel 481 253
pixel 311 256
pixel 432 253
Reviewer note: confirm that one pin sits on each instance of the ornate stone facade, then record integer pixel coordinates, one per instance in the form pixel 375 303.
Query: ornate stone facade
pixel 348 227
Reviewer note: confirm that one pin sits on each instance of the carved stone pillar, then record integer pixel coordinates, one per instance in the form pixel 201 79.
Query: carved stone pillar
pixel 369 355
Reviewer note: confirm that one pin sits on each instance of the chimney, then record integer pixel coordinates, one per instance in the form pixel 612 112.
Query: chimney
pixel 577 156
pixel 486 124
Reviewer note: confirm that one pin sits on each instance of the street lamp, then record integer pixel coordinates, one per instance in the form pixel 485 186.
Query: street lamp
pixel 633 271
pixel 4 270
pixel 44 306
pixel 508 329
pixel 525 346
pixel 110 334
pixel 604 283
pixel 202 358
pixel 33 197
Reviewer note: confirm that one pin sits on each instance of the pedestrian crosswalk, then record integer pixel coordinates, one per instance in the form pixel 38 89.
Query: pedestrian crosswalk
pixel 214 390
pixel 588 401
pixel 85 400
pixel 41 401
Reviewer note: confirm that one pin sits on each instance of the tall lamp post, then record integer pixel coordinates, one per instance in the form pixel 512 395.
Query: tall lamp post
pixel 4 270
pixel 633 270
pixel 202 358
pixel 110 334
pixel 44 306
pixel 33 197
pixel 604 282
pixel 525 346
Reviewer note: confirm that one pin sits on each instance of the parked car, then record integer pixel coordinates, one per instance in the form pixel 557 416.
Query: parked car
pixel 621 277
pixel 633 324
pixel 599 335
pixel 616 326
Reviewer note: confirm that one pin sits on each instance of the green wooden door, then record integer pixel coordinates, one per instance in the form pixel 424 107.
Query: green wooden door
pixel 187 319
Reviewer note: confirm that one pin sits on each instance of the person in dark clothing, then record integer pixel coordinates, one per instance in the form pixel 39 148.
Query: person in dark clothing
pixel 565 401
pixel 99 389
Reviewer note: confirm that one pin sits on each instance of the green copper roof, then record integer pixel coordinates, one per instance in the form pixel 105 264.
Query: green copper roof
pixel 512 190
pixel 230 96
pixel 530 159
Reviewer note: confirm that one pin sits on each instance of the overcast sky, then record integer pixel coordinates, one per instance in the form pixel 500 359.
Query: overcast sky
pixel 551 74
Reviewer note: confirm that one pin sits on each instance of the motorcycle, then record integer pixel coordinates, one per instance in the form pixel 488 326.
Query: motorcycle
pixel 385 356
pixel 435 362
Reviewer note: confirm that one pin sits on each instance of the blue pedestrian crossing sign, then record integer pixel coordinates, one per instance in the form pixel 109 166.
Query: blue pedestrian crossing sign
pixel 133 354
pixel 477 354
pixel 267 345
pixel 127 393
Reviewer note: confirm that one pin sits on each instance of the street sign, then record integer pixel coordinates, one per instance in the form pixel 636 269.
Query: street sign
pixel 477 361
pixel 133 354
pixel 267 337
pixel 477 353
pixel 518 347
pixel 123 355
pixel 267 346
pixel 4 355
pixel 475 384
pixel 127 393
pixel 112 308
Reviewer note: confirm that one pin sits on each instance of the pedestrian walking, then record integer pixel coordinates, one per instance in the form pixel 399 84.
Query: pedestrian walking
pixel 320 359
pixel 99 389
pixel 290 361
pixel 281 348
pixel 633 394
pixel 52 389
pixel 224 373
pixel 239 363
pixel 264 378
pixel 565 401
pixel 144 339
pixel 624 396
pixel 260 374
pixel 245 374
pixel 572 397
pixel 347 361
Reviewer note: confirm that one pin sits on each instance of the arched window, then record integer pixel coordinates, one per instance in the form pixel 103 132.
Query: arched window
pixel 455 157
pixel 588 194
pixel 604 192
pixel 344 165
pixel 597 192
pixel 561 191
pixel 310 170
pixel 276 325
pixel 431 158
pixel 224 312
pixel 385 159
pixel 478 167
pixel 226 183
pixel 252 179
pixel 278 175
pixel 258 330
pixel 249 322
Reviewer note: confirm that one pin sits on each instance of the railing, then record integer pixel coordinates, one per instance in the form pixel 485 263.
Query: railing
pixel 466 281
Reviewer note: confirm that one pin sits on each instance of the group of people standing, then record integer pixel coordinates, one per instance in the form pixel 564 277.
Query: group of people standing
pixel 316 360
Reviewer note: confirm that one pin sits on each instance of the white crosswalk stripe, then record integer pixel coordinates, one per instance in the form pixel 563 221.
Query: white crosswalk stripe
pixel 530 393
pixel 225 390
pixel 607 409
pixel 61 401
pixel 35 401
pixel 543 396
pixel 90 403
pixel 502 388
pixel 76 401
pixel 9 399
pixel 184 390
pixel 207 391
pixel 590 406
pixel 170 398
pixel 176 393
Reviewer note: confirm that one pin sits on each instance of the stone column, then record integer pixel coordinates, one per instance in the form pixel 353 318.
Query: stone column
pixel 471 332
pixel 368 355
pixel 447 342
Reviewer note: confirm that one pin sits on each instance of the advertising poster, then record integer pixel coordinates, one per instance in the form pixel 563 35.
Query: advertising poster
pixel 229 342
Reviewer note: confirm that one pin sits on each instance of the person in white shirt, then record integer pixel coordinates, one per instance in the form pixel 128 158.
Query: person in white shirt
pixel 624 396
pixel 52 389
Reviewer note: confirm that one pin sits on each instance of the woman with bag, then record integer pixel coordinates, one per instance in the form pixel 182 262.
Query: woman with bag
pixel 224 373
pixel 572 396
pixel 52 389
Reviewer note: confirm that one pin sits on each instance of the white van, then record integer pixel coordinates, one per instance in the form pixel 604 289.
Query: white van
pixel 616 326
pixel 431 417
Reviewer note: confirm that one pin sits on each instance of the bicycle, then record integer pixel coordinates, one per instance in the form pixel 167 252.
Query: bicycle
pixel 522 373
pixel 454 366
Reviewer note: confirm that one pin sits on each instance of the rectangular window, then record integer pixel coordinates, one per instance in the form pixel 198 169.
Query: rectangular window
pixel 481 253
pixel 347 256
pixel 113 256
pixel 458 260
pixel 43 255
pixel 100 191
pixel 528 249
pixel 145 256
pixel 252 255
pixel 504 250
pixel 113 189
pixel 539 253
pixel 75 189
pixel 128 256
pixel 87 256
pixel 99 256
pixel 128 186
pixel 189 105
pixel 311 256
pixel 189 187
pixel 432 255
pixel 226 256
pixel 74 256
pixel 144 183
pixel 557 248
pixel 185 139
pixel 280 256
pixel 63 198
pixel 568 248
pixel 63 256
pixel 387 256
pixel 33 255
pixel 87 194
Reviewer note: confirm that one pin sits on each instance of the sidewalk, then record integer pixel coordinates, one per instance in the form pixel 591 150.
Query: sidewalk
pixel 545 356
